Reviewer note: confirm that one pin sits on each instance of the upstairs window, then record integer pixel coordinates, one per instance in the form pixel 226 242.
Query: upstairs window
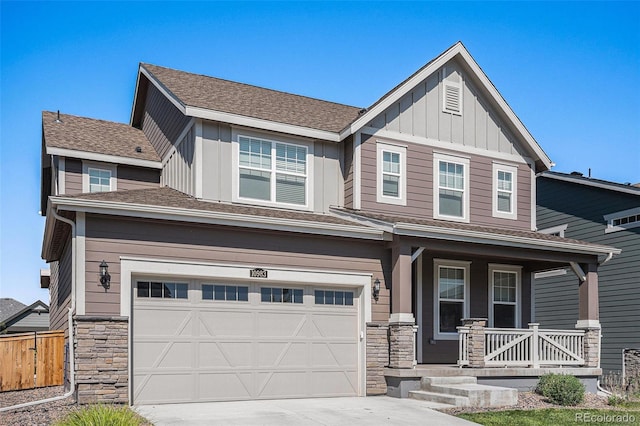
pixel 99 180
pixel 272 171
pixel 391 174
pixel 451 188
pixel 504 191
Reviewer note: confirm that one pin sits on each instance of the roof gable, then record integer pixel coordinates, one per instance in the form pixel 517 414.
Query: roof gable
pixel 457 56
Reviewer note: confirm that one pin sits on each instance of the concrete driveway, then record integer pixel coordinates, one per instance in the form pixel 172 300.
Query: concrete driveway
pixel 313 411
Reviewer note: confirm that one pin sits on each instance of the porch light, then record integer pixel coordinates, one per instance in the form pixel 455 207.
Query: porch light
pixel 105 278
pixel 376 289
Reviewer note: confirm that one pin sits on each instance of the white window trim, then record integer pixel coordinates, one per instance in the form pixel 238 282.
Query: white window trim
pixel 513 214
pixel 555 230
pixel 518 303
pixel 236 170
pixel 113 168
pixel 609 218
pixel 437 157
pixel 437 264
pixel 401 199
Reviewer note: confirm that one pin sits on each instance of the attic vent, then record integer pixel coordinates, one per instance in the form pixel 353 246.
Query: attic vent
pixel 452 98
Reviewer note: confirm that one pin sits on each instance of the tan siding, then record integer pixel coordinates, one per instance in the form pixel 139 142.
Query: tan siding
pixel 137 178
pixel 420 186
pixel 60 289
pixel 109 238
pixel 73 176
pixel 162 122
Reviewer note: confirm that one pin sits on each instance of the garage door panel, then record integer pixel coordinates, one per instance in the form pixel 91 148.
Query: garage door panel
pixel 226 323
pixel 280 324
pixel 153 388
pixel 330 325
pixel 334 383
pixel 282 354
pixel 282 384
pixel 172 322
pixel 333 354
pixel 225 386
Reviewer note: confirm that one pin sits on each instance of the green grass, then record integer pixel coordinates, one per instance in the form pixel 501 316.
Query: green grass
pixel 553 416
pixel 103 415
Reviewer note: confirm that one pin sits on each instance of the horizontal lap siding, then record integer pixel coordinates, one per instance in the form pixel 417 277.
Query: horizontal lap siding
pixel 163 122
pixel 582 208
pixel 420 175
pixel 137 178
pixel 72 176
pixel 109 239
pixel 60 289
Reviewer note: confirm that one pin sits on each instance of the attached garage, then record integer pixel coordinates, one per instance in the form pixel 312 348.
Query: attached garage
pixel 224 339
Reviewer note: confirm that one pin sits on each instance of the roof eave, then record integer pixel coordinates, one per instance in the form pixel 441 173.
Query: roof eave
pixel 107 158
pixel 596 184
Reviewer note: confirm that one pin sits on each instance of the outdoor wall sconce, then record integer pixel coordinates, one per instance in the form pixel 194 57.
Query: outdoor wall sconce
pixel 376 289
pixel 105 278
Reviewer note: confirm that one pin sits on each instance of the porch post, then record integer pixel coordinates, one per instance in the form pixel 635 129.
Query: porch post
pixel 476 342
pixel 401 321
pixel 588 314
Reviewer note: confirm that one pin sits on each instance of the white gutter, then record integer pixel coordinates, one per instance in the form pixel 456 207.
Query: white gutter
pixel 72 308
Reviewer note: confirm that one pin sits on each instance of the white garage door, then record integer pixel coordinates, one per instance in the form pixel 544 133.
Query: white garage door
pixel 211 341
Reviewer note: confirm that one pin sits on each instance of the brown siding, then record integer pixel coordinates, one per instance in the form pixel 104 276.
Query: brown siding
pixel 420 186
pixel 137 178
pixel 348 172
pixel 73 176
pixel 109 238
pixel 162 122
pixel 60 289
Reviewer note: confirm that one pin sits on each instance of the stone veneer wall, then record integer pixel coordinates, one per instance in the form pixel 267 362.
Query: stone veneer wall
pixel 101 352
pixel 377 357
pixel 632 365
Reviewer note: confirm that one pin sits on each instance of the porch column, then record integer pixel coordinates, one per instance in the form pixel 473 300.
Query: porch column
pixel 401 321
pixel 589 315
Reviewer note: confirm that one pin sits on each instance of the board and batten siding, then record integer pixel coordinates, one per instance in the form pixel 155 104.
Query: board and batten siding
pixel 348 172
pixel 582 208
pixel 109 238
pixel 162 122
pixel 60 289
pixel 420 175
pixel 128 177
pixel 179 171
pixel 419 113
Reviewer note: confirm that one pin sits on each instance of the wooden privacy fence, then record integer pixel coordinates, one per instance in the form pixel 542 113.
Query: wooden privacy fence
pixel 31 360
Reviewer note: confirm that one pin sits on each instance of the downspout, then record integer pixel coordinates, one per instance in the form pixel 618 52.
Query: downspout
pixel 599 387
pixel 72 309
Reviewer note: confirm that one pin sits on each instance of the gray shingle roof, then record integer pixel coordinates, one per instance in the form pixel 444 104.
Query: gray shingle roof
pixel 9 307
pixel 251 101
pixel 96 136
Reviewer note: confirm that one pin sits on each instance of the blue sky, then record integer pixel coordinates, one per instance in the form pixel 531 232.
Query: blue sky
pixel 570 71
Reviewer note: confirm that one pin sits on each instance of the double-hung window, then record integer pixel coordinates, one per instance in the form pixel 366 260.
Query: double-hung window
pixel 504 298
pixel 274 172
pixel 391 174
pixel 504 191
pixel 451 298
pixel 451 188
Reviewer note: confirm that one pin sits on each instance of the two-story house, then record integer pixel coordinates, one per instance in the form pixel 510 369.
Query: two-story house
pixel 234 242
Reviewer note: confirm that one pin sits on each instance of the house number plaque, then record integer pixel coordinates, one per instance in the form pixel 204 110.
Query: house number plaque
pixel 257 273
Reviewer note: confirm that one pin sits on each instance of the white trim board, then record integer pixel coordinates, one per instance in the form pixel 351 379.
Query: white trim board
pixel 105 158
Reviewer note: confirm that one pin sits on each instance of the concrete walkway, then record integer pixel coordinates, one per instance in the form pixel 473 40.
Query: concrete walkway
pixel 313 411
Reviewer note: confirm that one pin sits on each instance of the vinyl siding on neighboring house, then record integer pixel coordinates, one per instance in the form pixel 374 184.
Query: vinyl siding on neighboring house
pixel 162 122
pixel 420 185
pixel 110 238
pixel 556 303
pixel 60 289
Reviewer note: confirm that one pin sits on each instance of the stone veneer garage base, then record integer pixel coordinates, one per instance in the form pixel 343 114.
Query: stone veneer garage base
pixel 401 381
pixel 101 357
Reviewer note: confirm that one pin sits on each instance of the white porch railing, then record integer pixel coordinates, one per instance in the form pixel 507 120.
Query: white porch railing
pixel 532 347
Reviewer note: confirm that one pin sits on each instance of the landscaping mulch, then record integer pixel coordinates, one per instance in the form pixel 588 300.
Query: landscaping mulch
pixel 532 401
pixel 42 414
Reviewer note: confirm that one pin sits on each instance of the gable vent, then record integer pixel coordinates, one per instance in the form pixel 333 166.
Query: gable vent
pixel 452 101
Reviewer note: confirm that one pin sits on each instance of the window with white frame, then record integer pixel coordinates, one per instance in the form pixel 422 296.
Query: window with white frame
pixel 451 299
pixel 272 171
pixel 504 298
pixel 451 187
pixel 391 173
pixel 557 231
pixel 98 177
pixel 622 220
pixel 504 191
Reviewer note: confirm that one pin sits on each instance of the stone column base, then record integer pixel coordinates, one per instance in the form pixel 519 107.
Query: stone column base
pixel 591 342
pixel 401 341
pixel 377 357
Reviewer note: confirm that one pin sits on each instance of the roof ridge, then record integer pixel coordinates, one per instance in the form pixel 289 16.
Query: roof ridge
pixel 250 85
pixel 91 118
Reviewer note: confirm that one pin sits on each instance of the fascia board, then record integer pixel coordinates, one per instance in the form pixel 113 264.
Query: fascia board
pixel 106 158
pixel 461 235
pixel 365 221
pixel 48 233
pixel 258 123
pixel 166 92
pixel 135 96
pixel 215 218
pixel 594 184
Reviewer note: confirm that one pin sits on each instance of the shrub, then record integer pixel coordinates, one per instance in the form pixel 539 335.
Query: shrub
pixel 103 415
pixel 615 400
pixel 561 389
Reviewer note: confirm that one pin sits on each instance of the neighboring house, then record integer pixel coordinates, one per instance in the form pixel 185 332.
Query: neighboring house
pixel 234 242
pixel 16 317
pixel 601 212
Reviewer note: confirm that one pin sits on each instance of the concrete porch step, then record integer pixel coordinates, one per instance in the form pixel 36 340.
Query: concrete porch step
pixel 464 391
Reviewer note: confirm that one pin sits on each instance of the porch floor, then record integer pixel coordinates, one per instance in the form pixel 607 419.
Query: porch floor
pixel 452 370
